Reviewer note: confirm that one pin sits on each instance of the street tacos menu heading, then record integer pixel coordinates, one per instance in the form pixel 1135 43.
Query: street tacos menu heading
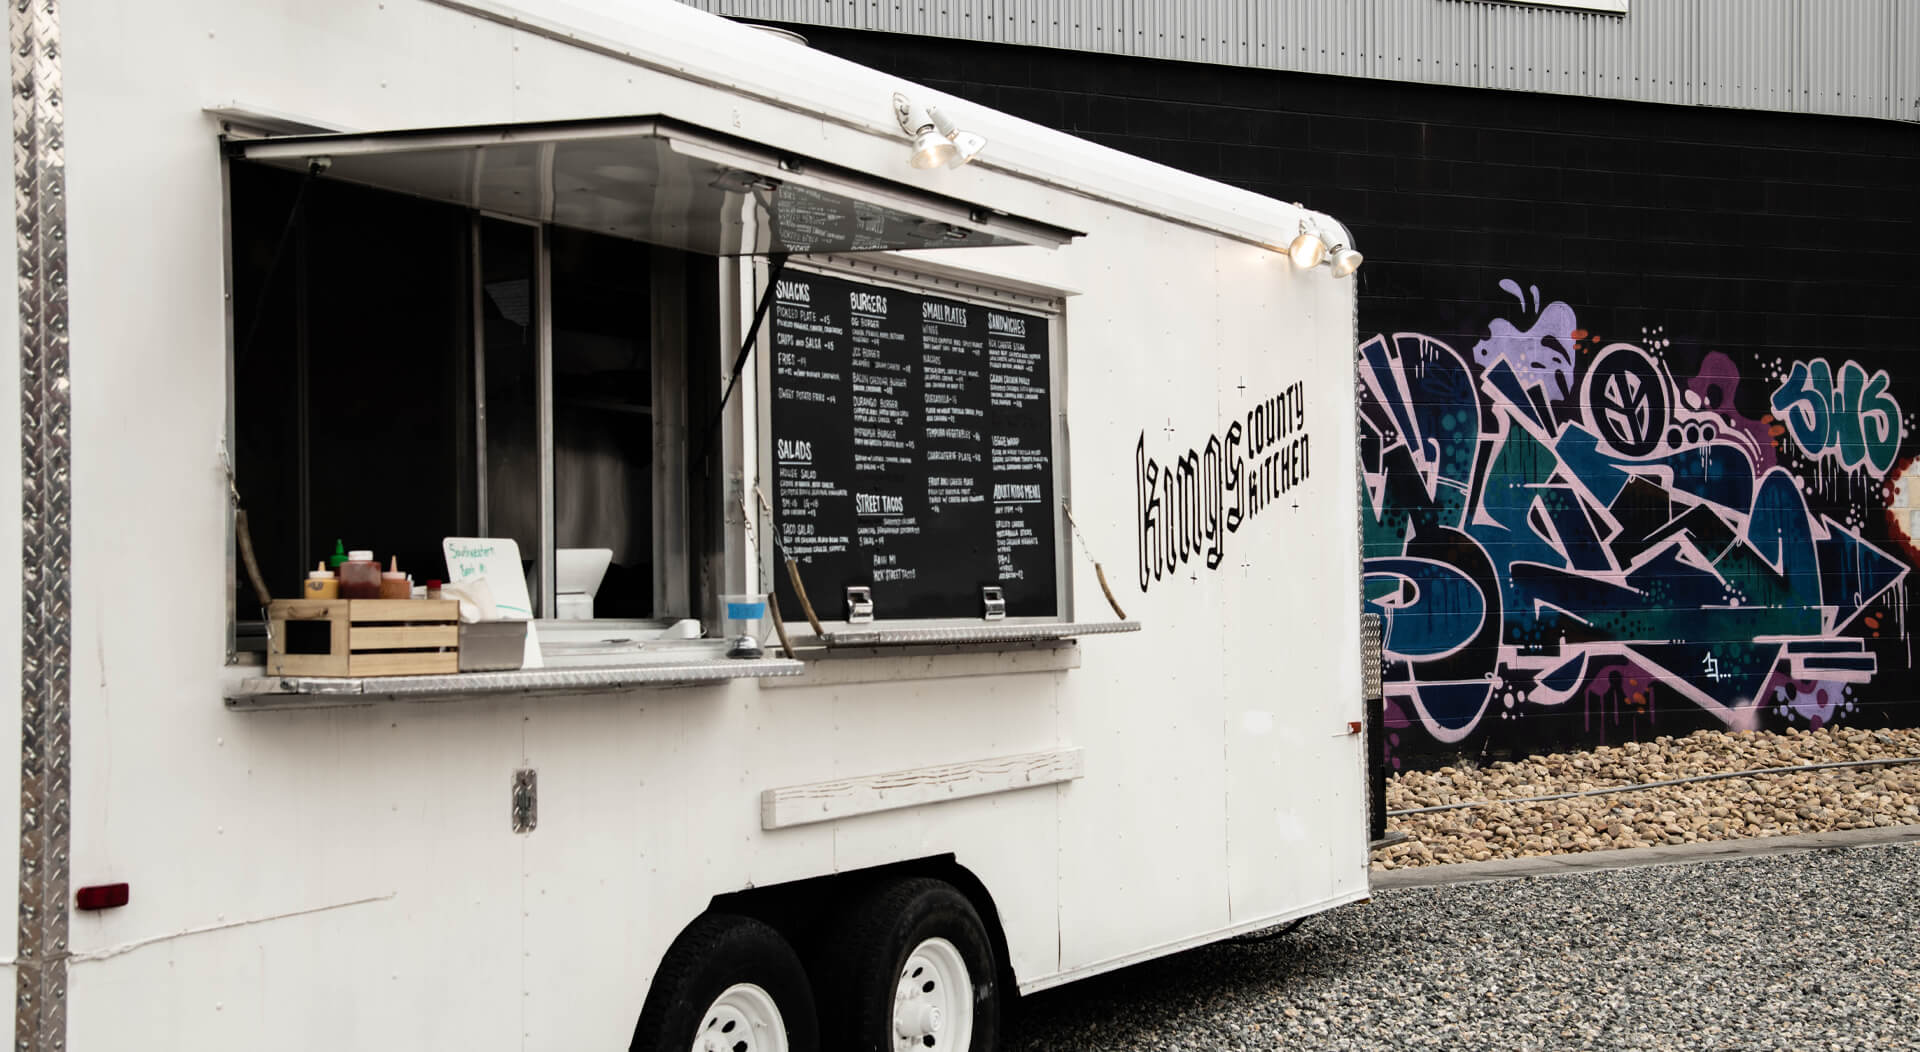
pixel 912 450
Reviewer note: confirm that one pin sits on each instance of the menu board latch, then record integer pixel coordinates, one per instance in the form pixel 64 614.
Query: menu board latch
pixel 859 604
pixel 996 603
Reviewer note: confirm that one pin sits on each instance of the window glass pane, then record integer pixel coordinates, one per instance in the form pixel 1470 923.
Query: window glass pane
pixel 602 423
pixel 388 384
pixel 351 362
pixel 388 401
pixel 510 351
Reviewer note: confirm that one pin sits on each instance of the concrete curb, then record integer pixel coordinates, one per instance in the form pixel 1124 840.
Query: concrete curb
pixel 1634 858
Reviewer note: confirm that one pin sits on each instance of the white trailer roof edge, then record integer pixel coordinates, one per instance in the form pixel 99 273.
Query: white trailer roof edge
pixel 718 52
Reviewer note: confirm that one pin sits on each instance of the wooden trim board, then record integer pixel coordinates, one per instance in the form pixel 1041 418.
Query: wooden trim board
pixel 798 805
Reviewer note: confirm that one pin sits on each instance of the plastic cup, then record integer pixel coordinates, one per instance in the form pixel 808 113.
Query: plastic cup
pixel 741 621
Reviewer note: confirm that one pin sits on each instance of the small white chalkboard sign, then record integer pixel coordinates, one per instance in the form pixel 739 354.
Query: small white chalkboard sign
pixel 497 561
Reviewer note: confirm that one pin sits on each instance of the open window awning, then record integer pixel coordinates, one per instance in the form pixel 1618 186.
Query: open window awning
pixel 656 180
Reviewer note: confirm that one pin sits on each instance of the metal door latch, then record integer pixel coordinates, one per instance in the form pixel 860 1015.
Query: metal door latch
pixel 859 604
pixel 526 800
pixel 995 601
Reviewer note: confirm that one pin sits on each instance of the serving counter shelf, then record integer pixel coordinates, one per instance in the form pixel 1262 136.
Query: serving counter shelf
pixel 312 692
pixel 689 663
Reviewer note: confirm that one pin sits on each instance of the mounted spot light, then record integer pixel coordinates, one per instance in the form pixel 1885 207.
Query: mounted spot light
pixel 931 149
pixel 935 139
pixel 967 145
pixel 1308 250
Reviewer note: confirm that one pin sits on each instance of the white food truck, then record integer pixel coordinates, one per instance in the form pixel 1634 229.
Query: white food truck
pixel 924 544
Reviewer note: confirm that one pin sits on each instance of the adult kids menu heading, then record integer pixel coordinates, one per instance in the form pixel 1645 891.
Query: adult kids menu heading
pixel 912 450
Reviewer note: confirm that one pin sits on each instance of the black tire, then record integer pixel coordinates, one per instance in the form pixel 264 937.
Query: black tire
pixel 862 959
pixel 717 951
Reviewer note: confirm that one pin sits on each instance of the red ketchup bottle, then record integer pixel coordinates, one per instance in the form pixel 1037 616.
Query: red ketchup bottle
pixel 360 576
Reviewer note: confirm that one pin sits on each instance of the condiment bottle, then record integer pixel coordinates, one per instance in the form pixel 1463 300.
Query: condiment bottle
pixel 433 588
pixel 321 583
pixel 394 584
pixel 339 556
pixel 360 576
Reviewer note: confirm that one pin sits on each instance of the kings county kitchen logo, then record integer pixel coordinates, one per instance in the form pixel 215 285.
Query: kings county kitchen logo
pixel 1187 506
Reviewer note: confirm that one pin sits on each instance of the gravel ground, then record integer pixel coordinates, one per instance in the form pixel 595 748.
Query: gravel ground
pixel 1816 950
pixel 1760 805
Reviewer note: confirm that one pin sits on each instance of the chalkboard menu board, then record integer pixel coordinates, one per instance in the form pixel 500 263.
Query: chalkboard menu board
pixel 912 450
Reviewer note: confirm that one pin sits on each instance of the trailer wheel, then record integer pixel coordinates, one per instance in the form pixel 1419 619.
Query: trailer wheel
pixel 911 968
pixel 728 984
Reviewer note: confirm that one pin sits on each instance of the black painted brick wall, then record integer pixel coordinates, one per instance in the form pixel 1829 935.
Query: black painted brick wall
pixel 1744 229
pixel 1771 237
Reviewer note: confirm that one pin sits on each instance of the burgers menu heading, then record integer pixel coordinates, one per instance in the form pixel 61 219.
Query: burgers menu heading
pixel 912 450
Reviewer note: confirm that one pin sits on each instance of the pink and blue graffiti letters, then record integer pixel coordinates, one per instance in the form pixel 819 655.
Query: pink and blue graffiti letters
pixel 1560 527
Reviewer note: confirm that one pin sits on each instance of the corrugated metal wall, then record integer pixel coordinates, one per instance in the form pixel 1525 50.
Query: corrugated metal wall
pixel 1851 57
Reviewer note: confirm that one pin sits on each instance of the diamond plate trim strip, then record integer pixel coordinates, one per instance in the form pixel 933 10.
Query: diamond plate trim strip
pixel 1370 656
pixel 291 692
pixel 40 228
pixel 1015 633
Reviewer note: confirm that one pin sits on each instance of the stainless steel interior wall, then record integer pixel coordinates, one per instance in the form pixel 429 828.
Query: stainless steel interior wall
pixel 1798 56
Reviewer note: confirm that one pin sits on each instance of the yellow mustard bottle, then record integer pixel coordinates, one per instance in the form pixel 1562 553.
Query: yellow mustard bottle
pixel 321 584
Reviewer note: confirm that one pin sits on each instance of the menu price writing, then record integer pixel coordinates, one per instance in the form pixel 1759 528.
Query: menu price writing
pixel 912 450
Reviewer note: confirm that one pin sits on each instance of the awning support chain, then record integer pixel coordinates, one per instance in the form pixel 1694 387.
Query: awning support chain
pixel 778 264
pixel 793 574
pixel 1098 572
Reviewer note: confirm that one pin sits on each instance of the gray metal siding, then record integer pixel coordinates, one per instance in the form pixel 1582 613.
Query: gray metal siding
pixel 1850 57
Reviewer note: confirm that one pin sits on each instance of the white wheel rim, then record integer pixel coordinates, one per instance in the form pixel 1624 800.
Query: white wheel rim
pixel 742 1019
pixel 933 1003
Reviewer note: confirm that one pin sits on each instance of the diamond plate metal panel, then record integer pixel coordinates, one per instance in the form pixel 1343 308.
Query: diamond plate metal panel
pixel 1370 655
pixel 39 199
pixel 1000 633
pixel 292 692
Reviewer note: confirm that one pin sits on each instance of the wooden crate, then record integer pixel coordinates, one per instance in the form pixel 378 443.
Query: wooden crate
pixel 363 637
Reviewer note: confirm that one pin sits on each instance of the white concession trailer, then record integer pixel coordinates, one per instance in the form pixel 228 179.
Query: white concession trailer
pixel 1043 453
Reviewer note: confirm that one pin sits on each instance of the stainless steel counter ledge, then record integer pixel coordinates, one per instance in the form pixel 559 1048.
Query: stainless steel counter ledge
pixel 980 634
pixel 310 692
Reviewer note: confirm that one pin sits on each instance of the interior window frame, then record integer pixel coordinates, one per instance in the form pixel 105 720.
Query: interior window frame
pixel 667 327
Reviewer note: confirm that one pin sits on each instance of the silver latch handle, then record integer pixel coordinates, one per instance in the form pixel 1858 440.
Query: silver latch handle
pixel 995 602
pixel 859 604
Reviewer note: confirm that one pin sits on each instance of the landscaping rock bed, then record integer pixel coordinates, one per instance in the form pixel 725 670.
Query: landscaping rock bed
pixel 1749 806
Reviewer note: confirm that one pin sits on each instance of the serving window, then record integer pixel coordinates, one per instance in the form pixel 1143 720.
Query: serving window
pixel 526 332
pixel 394 385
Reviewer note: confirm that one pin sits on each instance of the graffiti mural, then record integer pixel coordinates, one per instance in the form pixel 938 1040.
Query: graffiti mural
pixel 1608 534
